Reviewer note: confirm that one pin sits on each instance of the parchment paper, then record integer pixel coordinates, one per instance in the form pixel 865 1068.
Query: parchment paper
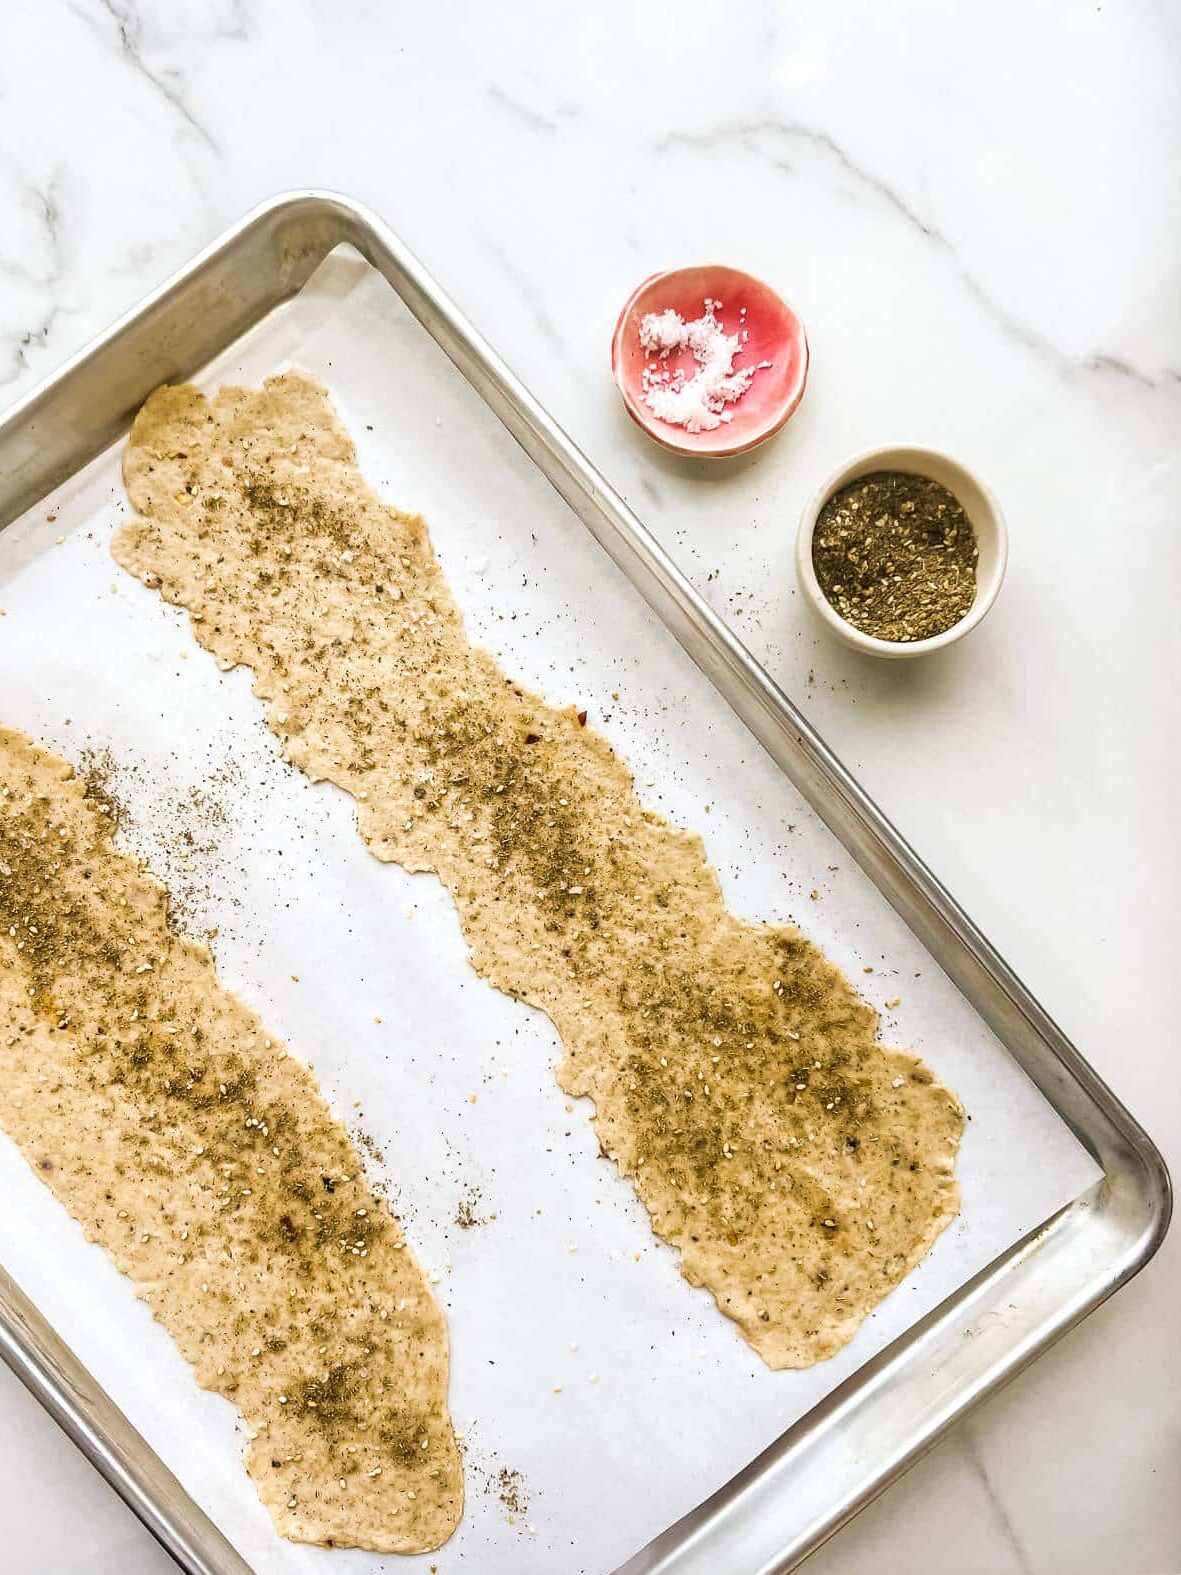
pixel 580 1358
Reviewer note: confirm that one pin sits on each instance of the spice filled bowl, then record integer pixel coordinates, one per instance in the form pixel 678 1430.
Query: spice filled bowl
pixel 902 551
pixel 709 361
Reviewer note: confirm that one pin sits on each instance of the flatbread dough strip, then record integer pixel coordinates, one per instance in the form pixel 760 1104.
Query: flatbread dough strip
pixel 202 1157
pixel 799 1168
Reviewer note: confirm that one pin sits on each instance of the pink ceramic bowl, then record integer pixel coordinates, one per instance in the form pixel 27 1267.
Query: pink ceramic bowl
pixel 776 335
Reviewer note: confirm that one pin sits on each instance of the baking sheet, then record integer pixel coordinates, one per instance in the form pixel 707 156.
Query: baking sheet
pixel 580 1359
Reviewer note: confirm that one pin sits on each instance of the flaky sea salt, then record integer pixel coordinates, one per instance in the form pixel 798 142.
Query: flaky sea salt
pixel 661 332
pixel 701 402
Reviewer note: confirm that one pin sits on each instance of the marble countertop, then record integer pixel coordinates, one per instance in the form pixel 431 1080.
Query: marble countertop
pixel 976 211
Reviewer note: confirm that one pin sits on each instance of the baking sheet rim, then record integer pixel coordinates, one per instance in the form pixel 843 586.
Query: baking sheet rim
pixel 1135 1194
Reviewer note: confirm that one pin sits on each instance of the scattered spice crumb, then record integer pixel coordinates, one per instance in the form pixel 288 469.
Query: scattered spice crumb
pixel 467 1215
pixel 511 1491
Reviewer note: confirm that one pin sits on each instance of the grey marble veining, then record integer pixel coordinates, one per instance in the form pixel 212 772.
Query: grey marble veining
pixel 803 152
pixel 165 80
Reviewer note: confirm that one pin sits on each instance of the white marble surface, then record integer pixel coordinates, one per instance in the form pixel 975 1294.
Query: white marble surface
pixel 976 209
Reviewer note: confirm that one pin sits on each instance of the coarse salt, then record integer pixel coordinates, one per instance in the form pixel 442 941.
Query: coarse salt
pixel 698 403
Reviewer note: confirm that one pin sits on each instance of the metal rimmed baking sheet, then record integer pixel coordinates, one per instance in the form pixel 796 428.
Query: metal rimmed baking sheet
pixel 437 447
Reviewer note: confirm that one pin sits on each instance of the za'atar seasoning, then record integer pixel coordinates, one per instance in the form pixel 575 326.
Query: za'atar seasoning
pixel 895 555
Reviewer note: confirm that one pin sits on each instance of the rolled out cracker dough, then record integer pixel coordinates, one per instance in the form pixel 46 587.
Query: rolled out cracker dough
pixel 190 1145
pixel 800 1168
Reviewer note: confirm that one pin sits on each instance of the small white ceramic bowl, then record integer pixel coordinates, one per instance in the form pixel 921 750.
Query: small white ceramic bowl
pixel 982 509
